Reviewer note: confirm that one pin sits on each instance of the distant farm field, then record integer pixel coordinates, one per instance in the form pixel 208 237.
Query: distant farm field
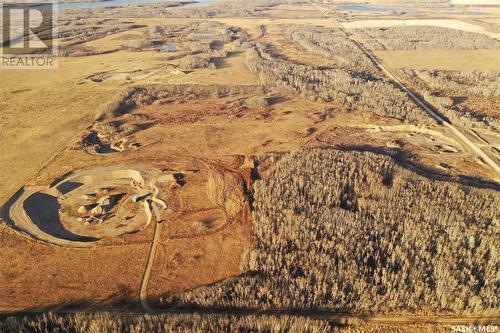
pixel 487 60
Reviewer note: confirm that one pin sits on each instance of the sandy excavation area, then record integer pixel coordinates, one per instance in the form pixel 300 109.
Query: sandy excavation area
pixel 87 206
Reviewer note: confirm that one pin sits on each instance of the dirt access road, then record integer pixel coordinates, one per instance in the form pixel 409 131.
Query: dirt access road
pixel 458 134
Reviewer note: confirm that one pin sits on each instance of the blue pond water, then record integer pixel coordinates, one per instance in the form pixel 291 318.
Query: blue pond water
pixel 168 47
pixel 374 9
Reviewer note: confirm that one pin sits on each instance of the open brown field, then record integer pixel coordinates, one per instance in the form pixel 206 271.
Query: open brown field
pixel 40 276
pixel 137 176
pixel 481 60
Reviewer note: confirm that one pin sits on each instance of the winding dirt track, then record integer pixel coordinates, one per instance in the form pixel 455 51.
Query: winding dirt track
pixel 143 293
pixel 458 134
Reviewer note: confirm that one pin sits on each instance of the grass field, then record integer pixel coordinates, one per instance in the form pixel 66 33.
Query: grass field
pixel 483 60
pixel 36 275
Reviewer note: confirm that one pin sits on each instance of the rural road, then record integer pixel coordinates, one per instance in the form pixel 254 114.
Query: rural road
pixel 143 293
pixel 458 134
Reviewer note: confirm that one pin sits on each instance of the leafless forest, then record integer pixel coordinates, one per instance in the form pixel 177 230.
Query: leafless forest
pixel 357 90
pixel 188 323
pixel 331 43
pixel 424 37
pixel 356 232
pixel 234 8
pixel 470 98
pixel 479 83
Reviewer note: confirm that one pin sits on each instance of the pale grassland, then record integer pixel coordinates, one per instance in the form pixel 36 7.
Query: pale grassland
pixel 36 275
pixel 41 111
pixel 495 21
pixel 115 41
pixel 488 60
pixel 232 67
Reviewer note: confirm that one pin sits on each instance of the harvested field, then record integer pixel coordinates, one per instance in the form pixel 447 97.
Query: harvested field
pixel 486 60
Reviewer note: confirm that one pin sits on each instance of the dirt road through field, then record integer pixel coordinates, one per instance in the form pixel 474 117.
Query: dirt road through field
pixel 143 294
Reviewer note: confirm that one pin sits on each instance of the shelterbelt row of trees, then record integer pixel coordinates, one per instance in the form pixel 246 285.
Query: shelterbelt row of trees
pixel 349 231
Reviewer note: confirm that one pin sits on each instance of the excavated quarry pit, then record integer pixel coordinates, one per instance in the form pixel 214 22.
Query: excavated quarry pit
pixel 89 205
